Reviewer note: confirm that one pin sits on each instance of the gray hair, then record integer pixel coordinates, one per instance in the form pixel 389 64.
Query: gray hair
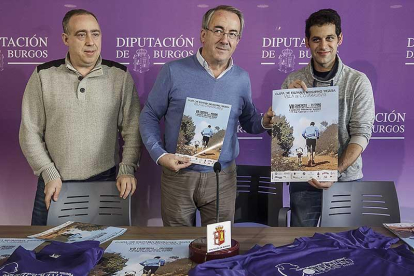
pixel 68 16
pixel 209 14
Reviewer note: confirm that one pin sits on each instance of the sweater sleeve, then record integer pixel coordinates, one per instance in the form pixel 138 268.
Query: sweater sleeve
pixel 32 129
pixel 154 109
pixel 250 119
pixel 128 125
pixel 363 113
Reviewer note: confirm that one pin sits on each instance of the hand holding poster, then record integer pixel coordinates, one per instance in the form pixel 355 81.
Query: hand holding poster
pixel 305 135
pixel 202 131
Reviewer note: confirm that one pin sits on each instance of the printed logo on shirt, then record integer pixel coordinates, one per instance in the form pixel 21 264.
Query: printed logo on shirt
pixel 13 269
pixel 288 269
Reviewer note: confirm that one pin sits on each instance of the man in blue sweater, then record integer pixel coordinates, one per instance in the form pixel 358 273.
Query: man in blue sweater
pixel 209 75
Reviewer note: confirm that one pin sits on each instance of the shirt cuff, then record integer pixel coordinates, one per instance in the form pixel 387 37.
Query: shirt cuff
pixel 160 157
pixel 261 121
pixel 360 140
pixel 50 174
pixel 125 169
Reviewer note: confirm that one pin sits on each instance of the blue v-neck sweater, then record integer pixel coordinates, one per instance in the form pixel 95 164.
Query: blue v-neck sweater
pixel 184 78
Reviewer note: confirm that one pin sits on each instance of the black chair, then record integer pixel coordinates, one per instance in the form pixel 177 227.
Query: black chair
pixel 358 203
pixel 90 202
pixel 259 200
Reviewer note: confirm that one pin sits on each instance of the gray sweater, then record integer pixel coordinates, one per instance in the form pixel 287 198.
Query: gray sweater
pixel 70 124
pixel 356 108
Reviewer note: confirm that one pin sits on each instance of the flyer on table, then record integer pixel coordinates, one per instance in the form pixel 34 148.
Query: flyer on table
pixel 78 231
pixel 202 131
pixel 145 257
pixel 8 245
pixel 405 231
pixel 305 135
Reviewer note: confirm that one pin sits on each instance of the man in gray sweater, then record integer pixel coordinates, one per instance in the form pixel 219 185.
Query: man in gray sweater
pixel 356 110
pixel 72 112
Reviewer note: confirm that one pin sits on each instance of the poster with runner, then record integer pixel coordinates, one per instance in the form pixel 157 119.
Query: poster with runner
pixel 71 231
pixel 145 257
pixel 202 131
pixel 305 135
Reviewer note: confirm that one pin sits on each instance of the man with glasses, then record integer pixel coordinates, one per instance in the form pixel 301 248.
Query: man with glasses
pixel 209 75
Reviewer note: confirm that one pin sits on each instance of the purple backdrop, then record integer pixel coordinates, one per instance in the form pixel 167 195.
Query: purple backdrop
pixel 378 40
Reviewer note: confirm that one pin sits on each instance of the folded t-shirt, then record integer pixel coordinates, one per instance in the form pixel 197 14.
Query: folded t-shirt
pixel 57 258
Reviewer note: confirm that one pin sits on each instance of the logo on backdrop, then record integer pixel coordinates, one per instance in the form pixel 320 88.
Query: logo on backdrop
pixel 1 61
pixel 23 50
pixel 410 51
pixel 286 61
pixel 138 51
pixel 141 61
pixel 389 125
pixel 284 52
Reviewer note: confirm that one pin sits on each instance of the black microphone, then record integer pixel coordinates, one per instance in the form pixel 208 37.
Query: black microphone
pixel 217 167
pixel 217 170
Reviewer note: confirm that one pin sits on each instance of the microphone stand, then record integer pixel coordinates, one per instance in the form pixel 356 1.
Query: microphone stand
pixel 198 247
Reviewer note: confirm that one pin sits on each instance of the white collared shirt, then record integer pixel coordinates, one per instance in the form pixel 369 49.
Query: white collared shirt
pixel 204 63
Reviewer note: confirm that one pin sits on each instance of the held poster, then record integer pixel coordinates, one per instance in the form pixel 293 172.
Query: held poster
pixel 305 135
pixel 202 131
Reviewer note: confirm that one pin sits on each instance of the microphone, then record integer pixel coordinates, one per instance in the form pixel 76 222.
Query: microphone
pixel 217 170
pixel 217 167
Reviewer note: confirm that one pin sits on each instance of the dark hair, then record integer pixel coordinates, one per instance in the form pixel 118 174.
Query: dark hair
pixel 69 15
pixel 323 17
pixel 312 123
pixel 209 14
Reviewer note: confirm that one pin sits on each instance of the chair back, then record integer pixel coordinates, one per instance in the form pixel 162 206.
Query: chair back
pixel 359 203
pixel 258 199
pixel 90 202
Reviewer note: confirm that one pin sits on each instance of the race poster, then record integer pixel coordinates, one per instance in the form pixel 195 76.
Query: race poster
pixel 78 231
pixel 8 245
pixel 305 135
pixel 405 231
pixel 145 257
pixel 202 131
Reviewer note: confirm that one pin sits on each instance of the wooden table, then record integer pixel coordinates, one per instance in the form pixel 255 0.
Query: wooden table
pixel 246 236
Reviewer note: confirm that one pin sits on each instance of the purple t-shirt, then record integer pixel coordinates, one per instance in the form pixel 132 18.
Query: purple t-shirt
pixel 57 258
pixel 358 252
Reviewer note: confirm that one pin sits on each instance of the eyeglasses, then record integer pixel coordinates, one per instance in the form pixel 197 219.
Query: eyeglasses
pixel 220 33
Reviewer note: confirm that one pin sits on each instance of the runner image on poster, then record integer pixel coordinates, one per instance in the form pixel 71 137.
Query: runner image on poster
pixel 305 135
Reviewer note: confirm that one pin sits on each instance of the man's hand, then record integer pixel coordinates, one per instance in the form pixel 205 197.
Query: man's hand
pixel 126 185
pixel 52 191
pixel 298 84
pixel 174 162
pixel 268 118
pixel 320 185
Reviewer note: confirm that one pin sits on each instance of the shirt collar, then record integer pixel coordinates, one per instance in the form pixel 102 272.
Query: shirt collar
pixel 97 67
pixel 204 63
